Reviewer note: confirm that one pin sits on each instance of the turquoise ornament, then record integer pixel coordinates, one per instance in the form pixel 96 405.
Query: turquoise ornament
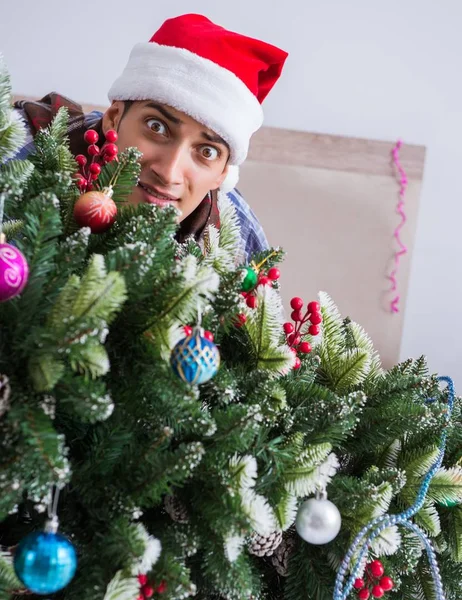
pixel 45 561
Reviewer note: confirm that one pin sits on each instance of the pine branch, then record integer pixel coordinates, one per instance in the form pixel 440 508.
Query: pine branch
pixel 264 326
pixel 121 174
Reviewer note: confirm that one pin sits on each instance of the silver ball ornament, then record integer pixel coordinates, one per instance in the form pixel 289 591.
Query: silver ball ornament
pixel 318 520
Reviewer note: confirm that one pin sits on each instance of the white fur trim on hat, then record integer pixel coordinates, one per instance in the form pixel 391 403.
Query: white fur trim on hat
pixel 208 93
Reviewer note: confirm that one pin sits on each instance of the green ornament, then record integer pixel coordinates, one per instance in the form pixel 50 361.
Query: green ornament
pixel 449 503
pixel 250 279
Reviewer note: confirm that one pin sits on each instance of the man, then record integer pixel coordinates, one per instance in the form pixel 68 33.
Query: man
pixel 189 99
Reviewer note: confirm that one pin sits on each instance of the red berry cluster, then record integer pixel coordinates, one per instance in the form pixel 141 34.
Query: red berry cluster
pixel 272 275
pixel 294 331
pixel 147 591
pixel 207 334
pixel 376 582
pixel 99 157
pixel 240 320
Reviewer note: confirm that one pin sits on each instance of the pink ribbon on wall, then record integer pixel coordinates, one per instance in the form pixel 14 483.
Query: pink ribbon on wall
pixel 402 250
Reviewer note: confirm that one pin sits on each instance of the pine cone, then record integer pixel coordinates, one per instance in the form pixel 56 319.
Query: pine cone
pixel 176 509
pixel 264 545
pixel 280 558
pixel 5 392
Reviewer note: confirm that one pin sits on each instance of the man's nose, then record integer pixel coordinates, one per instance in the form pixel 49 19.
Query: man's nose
pixel 169 166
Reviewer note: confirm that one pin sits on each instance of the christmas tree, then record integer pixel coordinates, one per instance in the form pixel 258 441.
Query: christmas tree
pixel 177 478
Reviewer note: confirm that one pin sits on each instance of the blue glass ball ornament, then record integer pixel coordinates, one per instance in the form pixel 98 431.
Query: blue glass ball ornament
pixel 195 359
pixel 45 562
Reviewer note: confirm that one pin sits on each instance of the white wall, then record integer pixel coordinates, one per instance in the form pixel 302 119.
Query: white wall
pixel 364 68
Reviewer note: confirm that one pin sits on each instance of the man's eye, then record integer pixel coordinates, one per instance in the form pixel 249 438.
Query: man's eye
pixel 157 126
pixel 209 152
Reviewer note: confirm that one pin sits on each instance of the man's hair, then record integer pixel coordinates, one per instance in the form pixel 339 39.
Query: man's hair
pixel 127 105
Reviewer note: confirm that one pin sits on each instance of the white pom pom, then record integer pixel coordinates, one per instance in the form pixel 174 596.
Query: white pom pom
pixel 231 179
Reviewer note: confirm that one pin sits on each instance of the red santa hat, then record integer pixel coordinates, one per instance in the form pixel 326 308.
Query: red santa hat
pixel 216 76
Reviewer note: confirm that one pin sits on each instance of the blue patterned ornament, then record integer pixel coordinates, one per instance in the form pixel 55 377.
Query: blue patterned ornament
pixel 45 561
pixel 195 359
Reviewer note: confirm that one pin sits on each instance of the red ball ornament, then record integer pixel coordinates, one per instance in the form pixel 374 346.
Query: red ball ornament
pixel 377 591
pixel 288 328
pixel 142 579
pixel 305 347
pixel 209 336
pixel 316 318
pixel 95 169
pixel 298 363
pixel 148 591
pixel 93 150
pixel 386 583
pixel 263 280
pixel 187 330
pixel 95 210
pixel 314 307
pixel 162 587
pixel 296 303
pixel 376 568
pixel 358 584
pixel 296 315
pixel 251 301
pixel 140 597
pixel 81 160
pixel 111 136
pixel 274 273
pixel 313 329
pixel 111 149
pixel 91 137
pixel 363 594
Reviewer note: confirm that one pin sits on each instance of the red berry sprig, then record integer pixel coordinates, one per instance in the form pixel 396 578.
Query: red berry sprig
pixel 89 172
pixel 188 330
pixel 376 582
pixel 263 278
pixel 147 591
pixel 240 320
pixel 295 332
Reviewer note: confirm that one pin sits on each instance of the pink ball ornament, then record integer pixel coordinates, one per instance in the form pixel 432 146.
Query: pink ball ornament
pixel 14 272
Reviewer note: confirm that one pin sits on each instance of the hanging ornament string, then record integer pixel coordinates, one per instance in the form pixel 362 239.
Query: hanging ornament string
pixel 403 181
pixel 354 558
pixel 53 509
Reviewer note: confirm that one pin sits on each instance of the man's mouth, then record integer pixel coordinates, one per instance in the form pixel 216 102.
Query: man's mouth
pixel 154 196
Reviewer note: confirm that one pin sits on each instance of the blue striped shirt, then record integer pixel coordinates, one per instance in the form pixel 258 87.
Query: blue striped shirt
pixel 252 235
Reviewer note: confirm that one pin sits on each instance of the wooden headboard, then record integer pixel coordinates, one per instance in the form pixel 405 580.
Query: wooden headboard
pixel 330 202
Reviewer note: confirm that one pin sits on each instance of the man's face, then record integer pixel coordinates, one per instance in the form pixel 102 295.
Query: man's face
pixel 182 160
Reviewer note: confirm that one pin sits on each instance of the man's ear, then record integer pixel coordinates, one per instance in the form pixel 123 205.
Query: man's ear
pixel 222 177
pixel 113 116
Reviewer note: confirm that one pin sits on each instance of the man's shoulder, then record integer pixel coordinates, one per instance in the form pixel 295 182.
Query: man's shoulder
pixel 90 120
pixel 252 234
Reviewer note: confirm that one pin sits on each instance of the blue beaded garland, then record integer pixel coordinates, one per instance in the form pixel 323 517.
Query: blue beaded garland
pixel 367 535
pixel 45 562
pixel 195 359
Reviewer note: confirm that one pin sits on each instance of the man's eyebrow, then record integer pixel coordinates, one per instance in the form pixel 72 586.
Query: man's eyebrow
pixel 168 115
pixel 214 138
